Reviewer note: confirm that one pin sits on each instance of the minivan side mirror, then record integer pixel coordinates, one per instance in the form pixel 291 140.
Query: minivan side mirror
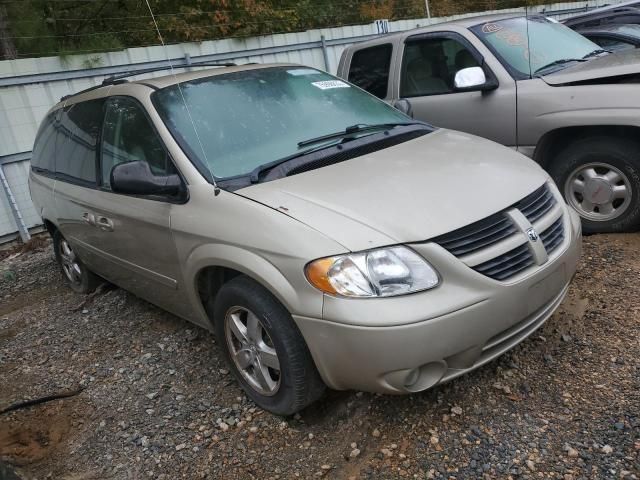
pixel 136 178
pixel 471 79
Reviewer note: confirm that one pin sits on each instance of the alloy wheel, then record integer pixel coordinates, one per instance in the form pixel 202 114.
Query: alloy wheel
pixel 70 265
pixel 598 191
pixel 252 350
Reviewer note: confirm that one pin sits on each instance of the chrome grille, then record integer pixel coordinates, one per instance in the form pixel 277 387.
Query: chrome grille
pixel 508 264
pixel 516 254
pixel 477 235
pixel 553 236
pixel 537 204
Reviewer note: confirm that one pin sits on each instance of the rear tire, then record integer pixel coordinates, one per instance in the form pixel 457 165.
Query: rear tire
pixel 77 276
pixel 600 179
pixel 264 348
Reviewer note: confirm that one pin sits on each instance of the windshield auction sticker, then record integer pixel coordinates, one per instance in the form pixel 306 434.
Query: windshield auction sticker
pixel 491 28
pixel 329 84
pixel 512 37
pixel 298 72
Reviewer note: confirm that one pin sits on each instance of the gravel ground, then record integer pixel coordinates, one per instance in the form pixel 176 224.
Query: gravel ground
pixel 150 396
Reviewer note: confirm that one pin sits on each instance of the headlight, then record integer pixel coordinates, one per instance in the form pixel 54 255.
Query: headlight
pixel 377 273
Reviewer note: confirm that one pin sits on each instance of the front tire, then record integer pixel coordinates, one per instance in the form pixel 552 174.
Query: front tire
pixel 77 276
pixel 264 348
pixel 600 179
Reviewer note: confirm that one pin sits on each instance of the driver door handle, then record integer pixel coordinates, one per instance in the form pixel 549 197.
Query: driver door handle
pixel 105 224
pixel 89 218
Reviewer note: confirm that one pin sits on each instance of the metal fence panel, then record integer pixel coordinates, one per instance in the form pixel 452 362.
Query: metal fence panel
pixel 18 176
pixel 8 225
pixel 24 101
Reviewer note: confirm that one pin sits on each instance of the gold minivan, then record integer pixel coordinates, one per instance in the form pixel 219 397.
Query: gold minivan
pixel 327 238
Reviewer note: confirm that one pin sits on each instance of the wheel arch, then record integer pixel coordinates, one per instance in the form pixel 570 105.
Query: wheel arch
pixel 552 142
pixel 209 267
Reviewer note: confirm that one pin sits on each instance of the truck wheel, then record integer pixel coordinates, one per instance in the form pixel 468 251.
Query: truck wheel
pixel 264 348
pixel 600 179
pixel 78 277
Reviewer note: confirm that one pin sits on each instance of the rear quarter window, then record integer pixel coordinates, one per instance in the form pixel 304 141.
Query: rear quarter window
pixel 44 149
pixel 370 69
pixel 77 141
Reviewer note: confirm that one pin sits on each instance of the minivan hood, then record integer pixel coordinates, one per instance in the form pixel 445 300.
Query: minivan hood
pixel 407 193
pixel 626 62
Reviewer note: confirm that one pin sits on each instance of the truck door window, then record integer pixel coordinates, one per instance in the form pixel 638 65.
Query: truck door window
pixel 370 69
pixel 429 66
pixel 128 136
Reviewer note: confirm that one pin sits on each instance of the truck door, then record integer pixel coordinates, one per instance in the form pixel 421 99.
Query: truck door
pixel 428 66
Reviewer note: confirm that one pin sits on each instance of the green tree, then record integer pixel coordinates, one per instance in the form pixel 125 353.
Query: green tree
pixel 30 28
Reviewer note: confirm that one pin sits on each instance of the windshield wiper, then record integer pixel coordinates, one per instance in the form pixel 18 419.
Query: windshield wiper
pixel 562 61
pixel 353 130
pixel 260 169
pixel 254 176
pixel 596 52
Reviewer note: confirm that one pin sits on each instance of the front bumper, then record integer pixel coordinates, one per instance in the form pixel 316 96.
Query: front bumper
pixel 411 343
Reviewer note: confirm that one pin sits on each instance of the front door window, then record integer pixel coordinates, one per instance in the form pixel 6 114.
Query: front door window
pixel 429 66
pixel 128 136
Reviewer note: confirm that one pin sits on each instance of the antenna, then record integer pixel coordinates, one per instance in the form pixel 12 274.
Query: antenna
pixel 526 19
pixel 216 188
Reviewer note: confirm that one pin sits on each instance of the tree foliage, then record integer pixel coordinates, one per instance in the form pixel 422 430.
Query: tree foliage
pixel 31 28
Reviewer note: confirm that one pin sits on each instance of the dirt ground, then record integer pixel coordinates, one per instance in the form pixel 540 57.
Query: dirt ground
pixel 148 395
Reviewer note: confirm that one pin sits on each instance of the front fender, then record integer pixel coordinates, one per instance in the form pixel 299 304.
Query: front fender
pixel 300 298
pixel 543 108
pixel 590 117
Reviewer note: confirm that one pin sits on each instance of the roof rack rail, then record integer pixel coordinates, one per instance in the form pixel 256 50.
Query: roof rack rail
pixel 122 77
pixel 65 97
pixel 114 78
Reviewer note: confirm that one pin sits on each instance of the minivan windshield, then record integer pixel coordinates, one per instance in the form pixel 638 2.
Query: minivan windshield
pixel 236 122
pixel 534 45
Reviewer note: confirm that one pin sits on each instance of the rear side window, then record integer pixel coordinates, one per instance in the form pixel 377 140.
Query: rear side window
pixel 370 69
pixel 43 156
pixel 77 141
pixel 128 136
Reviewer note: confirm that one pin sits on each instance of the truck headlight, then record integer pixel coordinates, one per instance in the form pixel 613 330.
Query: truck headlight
pixel 384 272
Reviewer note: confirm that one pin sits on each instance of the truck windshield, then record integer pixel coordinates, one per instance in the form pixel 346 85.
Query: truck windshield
pixel 527 46
pixel 234 123
pixel 630 30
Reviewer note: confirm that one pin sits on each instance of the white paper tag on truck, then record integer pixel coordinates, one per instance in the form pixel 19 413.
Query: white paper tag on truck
pixel 329 84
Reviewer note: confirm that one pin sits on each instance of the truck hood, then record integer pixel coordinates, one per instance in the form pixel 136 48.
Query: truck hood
pixel 617 64
pixel 407 193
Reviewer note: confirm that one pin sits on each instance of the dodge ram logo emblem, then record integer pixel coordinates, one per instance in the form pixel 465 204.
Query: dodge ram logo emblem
pixel 532 234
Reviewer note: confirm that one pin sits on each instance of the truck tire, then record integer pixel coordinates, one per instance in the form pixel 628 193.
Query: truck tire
pixel 600 179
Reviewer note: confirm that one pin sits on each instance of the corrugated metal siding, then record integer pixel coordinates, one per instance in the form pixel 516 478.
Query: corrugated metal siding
pixel 7 223
pixel 23 107
pixel 18 175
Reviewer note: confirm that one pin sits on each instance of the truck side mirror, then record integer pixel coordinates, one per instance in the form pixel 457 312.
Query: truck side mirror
pixel 472 79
